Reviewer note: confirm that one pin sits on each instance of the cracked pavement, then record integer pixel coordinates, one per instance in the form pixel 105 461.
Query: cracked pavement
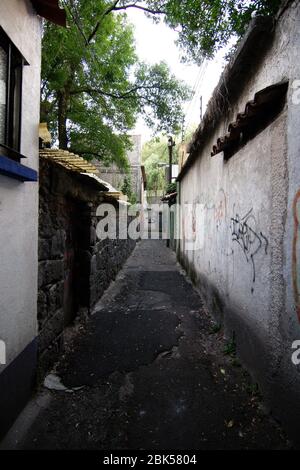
pixel 154 373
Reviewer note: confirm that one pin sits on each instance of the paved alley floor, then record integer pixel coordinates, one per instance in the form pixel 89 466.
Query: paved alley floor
pixel 154 374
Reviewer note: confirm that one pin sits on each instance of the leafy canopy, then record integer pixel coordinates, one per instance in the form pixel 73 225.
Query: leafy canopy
pixel 94 87
pixel 205 26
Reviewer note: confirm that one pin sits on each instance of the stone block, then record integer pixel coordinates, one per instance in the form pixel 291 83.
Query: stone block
pixel 51 330
pixel 44 249
pixel 58 244
pixel 42 307
pixel 50 272
pixel 46 229
pixel 56 296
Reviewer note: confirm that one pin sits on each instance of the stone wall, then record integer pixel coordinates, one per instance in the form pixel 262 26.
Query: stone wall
pixel 74 266
pixel 107 258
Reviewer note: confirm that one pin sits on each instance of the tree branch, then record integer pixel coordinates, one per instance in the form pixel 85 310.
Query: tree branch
pixel 140 7
pixel 80 29
pixel 87 152
pixel 114 7
pixel 106 12
pixel 125 95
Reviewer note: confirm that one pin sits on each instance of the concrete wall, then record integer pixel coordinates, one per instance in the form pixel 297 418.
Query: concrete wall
pixel 19 221
pixel 256 192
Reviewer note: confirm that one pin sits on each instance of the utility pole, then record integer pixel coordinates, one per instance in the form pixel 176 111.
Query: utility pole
pixel 171 144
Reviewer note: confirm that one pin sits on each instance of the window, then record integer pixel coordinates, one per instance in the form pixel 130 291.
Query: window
pixel 11 70
pixel 11 67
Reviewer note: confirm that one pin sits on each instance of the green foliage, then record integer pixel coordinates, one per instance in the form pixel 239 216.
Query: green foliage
pixel 155 158
pixel 216 328
pixel 204 26
pixel 93 86
pixel 162 97
pixel 156 179
pixel 126 189
pixel 126 186
pixel 156 146
pixel 235 362
pixel 230 347
pixel 253 390
pixel 171 188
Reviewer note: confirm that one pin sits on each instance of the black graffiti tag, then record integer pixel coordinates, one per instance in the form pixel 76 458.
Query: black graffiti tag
pixel 250 241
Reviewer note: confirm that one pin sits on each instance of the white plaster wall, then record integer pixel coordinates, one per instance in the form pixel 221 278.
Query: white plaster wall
pixel 264 177
pixel 19 201
pixel 231 190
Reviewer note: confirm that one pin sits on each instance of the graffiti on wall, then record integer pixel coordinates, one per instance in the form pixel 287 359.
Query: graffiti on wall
pixel 251 241
pixel 220 208
pixel 296 253
pixel 205 218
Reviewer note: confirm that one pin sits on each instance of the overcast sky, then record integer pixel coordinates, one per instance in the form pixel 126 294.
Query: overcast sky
pixel 156 42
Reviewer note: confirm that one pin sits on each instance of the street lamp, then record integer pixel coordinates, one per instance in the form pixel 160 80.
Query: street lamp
pixel 171 144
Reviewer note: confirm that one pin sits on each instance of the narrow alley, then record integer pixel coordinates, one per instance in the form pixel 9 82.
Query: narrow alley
pixel 149 371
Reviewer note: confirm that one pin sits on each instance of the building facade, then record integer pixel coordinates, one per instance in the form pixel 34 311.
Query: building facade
pixel 239 196
pixel 20 59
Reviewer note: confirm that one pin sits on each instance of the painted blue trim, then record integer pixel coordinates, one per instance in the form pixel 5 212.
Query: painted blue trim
pixel 15 170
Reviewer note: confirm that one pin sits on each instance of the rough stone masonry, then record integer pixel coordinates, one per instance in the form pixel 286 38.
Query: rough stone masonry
pixel 75 267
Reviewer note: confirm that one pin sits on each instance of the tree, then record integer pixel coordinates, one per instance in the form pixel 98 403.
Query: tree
pixel 156 179
pixel 126 189
pixel 94 87
pixel 155 158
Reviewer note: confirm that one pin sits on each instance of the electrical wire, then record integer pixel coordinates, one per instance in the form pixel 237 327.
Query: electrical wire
pixel 199 83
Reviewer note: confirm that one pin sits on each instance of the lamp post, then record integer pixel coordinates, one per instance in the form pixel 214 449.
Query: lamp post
pixel 171 144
